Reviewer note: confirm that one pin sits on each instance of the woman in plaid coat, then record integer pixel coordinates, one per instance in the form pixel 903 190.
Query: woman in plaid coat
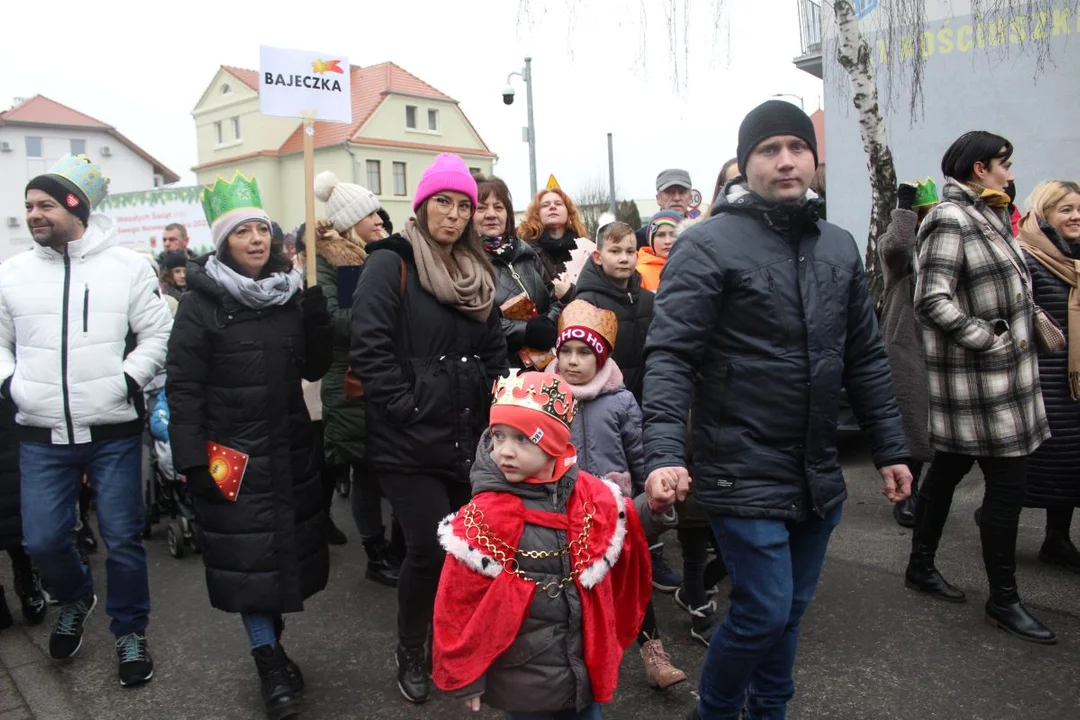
pixel 974 300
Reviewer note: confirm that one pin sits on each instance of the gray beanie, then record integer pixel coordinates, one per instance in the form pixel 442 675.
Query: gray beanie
pixel 346 203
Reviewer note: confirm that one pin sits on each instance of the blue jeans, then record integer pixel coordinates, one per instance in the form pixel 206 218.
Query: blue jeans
pixel 260 629
pixel 774 567
pixel 51 475
pixel 592 712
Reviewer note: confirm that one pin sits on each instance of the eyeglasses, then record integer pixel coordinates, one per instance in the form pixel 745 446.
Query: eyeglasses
pixel 445 205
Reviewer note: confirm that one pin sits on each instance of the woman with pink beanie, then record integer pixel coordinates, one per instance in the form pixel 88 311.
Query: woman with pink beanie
pixel 427 345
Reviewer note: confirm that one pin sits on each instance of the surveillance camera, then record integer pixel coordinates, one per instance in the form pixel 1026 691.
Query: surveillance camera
pixel 508 95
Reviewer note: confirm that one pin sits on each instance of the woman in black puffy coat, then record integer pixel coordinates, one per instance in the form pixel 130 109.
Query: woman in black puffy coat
pixel 1050 236
pixel 518 270
pixel 27 588
pixel 243 338
pixel 427 346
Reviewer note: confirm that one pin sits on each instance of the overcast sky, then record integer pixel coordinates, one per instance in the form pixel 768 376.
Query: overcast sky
pixel 599 66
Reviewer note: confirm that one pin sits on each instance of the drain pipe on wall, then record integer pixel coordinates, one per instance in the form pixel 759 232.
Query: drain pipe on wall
pixel 352 154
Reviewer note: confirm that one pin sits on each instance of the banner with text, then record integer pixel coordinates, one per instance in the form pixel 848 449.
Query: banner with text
pixel 141 217
pixel 295 82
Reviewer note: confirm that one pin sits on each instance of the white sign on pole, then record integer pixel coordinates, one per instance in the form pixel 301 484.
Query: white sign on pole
pixel 293 83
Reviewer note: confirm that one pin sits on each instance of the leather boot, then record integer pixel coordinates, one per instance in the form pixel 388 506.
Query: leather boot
pixel 28 588
pixel 1058 548
pixel 280 699
pixel 921 575
pixel 6 620
pixel 292 670
pixel 1004 609
pixel 382 566
pixel 659 672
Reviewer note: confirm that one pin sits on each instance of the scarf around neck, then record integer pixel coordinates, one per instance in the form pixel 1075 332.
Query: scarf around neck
pixel 560 249
pixel 277 289
pixel 464 284
pixel 994 198
pixel 1035 242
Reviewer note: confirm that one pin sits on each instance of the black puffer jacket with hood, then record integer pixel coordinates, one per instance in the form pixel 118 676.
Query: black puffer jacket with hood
pixel 764 317
pixel 545 665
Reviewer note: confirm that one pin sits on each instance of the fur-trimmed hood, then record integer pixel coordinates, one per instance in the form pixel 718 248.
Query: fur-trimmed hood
pixel 339 252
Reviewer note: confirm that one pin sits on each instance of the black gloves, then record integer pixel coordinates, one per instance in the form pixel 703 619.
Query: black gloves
pixel 313 305
pixel 201 483
pixel 540 333
pixel 905 196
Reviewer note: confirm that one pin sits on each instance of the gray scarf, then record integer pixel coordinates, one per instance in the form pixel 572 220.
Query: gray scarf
pixel 277 289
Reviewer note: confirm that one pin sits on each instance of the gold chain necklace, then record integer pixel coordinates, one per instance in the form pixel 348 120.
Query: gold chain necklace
pixel 476 530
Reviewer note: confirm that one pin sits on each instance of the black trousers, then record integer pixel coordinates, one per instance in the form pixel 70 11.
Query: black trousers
pixel 419 502
pixel 1005 481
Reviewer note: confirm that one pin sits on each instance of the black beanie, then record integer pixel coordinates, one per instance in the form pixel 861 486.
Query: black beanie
pixel 772 118
pixel 175 259
pixel 64 192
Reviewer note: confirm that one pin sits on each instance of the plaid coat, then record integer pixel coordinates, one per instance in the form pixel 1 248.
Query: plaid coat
pixel 985 396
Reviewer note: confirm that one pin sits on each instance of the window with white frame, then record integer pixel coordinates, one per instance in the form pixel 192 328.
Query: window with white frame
pixel 374 176
pixel 219 133
pixel 78 147
pixel 400 184
pixel 433 120
pixel 236 127
pixel 226 89
pixel 33 147
pixel 410 117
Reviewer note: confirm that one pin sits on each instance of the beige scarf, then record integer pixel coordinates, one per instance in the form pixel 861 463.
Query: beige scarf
pixel 463 283
pixel 1036 244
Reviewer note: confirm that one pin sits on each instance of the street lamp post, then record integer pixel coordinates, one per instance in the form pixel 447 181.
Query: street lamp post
pixel 799 97
pixel 530 131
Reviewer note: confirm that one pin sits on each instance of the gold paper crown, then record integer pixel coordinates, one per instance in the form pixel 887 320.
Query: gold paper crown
pixel 542 392
pixel 581 313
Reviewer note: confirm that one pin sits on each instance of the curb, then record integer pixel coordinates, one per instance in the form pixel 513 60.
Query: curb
pixel 43 690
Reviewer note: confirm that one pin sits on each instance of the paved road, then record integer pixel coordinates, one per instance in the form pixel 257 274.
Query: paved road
pixel 870 648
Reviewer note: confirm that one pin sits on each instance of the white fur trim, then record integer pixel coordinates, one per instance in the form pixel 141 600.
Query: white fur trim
pixel 463 550
pixel 596 572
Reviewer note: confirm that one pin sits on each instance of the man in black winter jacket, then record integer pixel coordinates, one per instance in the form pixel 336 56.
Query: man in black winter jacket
pixel 764 317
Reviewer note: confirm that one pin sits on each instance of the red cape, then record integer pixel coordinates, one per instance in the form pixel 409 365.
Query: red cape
pixel 480 607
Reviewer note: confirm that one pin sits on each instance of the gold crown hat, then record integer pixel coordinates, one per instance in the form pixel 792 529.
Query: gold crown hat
pixel 542 392
pixel 231 203
pixel 581 313
pixel 85 175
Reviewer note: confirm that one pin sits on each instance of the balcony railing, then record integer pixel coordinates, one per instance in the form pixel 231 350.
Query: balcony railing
pixel 810 26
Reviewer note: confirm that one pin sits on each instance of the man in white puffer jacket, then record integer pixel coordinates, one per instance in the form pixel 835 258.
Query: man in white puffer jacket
pixel 83 328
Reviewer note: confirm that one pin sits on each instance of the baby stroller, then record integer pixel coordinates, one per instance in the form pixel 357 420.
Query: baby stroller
pixel 167 493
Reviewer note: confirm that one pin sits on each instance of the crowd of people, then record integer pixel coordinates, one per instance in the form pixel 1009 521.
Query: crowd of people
pixel 537 430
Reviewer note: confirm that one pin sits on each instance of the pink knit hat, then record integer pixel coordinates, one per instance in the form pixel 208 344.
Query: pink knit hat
pixel 448 172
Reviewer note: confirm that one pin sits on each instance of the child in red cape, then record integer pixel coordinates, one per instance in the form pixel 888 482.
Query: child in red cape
pixel 547 572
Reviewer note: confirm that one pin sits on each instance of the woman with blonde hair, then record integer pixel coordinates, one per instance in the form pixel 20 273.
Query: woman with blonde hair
pixel 1050 237
pixel 552 225
pixel 352 221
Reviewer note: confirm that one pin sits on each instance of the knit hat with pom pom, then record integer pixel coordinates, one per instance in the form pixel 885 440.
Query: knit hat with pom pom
pixel 346 203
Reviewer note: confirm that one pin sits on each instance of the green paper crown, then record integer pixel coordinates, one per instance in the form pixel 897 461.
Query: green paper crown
pixel 224 196
pixel 925 193
pixel 85 175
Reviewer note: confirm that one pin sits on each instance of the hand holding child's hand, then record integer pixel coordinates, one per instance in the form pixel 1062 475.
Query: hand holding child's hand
pixel 665 486
pixel 473 704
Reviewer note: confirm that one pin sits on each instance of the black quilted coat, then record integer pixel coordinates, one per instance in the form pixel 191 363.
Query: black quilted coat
pixel 10 514
pixel 1053 476
pixel 234 378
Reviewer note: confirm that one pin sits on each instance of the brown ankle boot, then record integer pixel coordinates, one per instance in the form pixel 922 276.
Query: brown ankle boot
pixel 659 671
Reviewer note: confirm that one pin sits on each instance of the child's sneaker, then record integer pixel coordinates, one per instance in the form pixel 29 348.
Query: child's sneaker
pixel 664 578
pixel 703 623
pixel 659 672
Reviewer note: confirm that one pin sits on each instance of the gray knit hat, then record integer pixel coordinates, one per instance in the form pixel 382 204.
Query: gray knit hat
pixel 346 203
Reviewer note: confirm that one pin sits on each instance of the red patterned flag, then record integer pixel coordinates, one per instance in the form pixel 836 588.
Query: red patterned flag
pixel 227 467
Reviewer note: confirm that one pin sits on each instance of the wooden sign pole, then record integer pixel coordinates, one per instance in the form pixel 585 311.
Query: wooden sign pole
pixel 309 197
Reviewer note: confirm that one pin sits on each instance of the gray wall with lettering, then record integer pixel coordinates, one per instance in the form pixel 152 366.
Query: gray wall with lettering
pixel 977 77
